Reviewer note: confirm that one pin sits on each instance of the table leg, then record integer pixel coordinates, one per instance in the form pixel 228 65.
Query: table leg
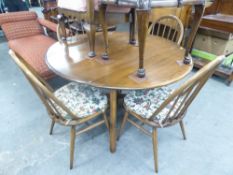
pixel 113 114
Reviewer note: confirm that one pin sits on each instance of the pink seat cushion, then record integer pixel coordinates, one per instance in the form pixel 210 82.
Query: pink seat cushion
pixel 33 50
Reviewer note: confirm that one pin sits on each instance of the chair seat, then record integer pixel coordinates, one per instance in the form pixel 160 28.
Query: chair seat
pixel 82 100
pixel 33 50
pixel 145 102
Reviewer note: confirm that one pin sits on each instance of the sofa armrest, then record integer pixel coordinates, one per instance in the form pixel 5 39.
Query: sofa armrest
pixel 48 24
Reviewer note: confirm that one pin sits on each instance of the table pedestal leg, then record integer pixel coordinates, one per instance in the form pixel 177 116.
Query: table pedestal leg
pixel 113 114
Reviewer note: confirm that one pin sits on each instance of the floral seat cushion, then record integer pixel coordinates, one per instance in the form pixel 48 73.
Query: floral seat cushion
pixel 82 100
pixel 146 102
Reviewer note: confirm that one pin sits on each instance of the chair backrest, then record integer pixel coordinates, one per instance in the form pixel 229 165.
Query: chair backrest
pixel 169 27
pixel 175 106
pixel 45 92
pixel 20 24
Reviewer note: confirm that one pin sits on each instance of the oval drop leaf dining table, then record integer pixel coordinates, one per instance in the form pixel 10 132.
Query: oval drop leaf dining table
pixel 163 65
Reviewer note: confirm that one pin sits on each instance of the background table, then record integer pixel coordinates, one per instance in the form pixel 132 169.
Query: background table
pixel 163 65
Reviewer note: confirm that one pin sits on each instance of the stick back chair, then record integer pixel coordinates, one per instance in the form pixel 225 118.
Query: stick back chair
pixel 163 107
pixel 169 27
pixel 64 106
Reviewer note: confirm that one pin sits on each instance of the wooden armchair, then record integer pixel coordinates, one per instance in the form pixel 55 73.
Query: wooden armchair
pixel 169 27
pixel 71 105
pixel 163 107
pixel 26 36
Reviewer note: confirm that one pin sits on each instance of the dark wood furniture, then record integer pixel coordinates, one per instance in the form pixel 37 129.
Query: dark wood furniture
pixel 223 72
pixel 218 18
pixel 163 61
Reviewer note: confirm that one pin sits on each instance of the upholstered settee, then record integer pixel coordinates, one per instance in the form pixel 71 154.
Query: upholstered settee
pixel 27 37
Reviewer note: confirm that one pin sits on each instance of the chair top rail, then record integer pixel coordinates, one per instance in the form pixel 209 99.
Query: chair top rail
pixel 179 26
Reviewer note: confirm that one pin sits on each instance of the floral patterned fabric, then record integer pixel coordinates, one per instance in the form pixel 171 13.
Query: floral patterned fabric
pixel 146 102
pixel 82 100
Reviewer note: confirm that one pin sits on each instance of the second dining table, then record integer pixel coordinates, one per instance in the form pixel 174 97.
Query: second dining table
pixel 163 63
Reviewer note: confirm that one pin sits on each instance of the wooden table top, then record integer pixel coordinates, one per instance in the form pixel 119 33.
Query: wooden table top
pixel 162 63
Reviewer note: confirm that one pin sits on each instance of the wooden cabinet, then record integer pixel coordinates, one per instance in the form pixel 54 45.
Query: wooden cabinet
pixel 218 19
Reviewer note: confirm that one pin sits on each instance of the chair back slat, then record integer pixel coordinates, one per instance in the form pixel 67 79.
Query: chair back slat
pixel 169 27
pixel 164 29
pixel 175 34
pixel 174 105
pixel 179 100
pixel 185 98
pixel 42 88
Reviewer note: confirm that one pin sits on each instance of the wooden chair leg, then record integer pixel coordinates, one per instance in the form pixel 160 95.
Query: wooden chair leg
pixel 106 120
pixel 229 80
pixel 51 127
pixel 123 124
pixel 155 148
pixel 182 129
pixel 72 141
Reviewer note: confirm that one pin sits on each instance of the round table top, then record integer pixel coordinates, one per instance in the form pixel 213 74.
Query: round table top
pixel 162 62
